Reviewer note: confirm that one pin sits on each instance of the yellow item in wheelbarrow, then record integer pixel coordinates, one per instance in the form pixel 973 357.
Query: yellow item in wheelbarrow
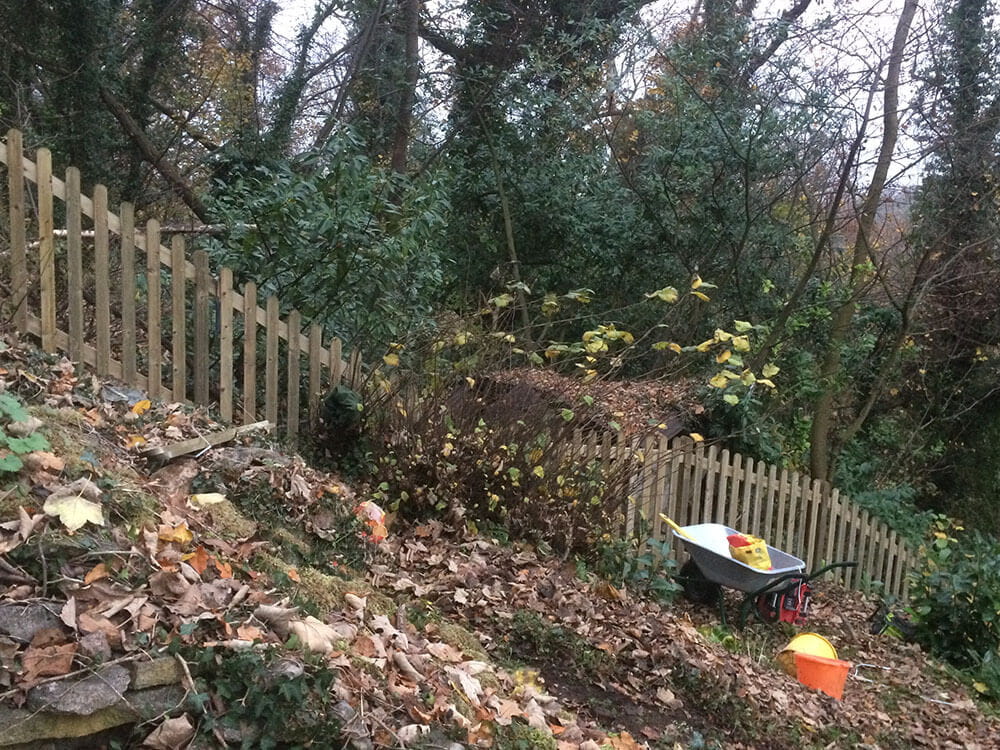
pixel 749 550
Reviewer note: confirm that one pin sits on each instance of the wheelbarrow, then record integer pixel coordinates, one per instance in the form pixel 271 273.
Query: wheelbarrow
pixel 779 594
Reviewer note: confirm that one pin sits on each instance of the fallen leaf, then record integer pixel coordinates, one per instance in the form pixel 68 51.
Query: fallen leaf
pixel 172 734
pixel 204 499
pixel 74 511
pixel 47 661
pixel 197 559
pixel 313 634
pixel 179 533
pixel 141 407
pixel 96 573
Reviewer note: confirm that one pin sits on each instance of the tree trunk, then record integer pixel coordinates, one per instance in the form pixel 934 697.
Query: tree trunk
pixel 404 110
pixel 822 459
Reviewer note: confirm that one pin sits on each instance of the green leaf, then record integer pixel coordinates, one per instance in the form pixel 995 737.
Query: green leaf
pixel 33 442
pixel 567 414
pixel 731 398
pixel 11 463
pixel 742 326
pixel 13 409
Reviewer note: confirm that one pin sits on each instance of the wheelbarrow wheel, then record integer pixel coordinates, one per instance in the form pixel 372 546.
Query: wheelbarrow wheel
pixel 696 586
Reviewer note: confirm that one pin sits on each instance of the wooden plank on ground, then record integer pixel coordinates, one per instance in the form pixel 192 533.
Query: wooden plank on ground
pixel 178 310
pixel 46 250
pixel 202 342
pixel 226 344
pixel 154 310
pixel 129 352
pixel 74 263
pixel 102 280
pixel 18 244
pixel 250 352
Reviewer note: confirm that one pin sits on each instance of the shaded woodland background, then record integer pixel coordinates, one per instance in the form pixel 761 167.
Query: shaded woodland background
pixel 396 169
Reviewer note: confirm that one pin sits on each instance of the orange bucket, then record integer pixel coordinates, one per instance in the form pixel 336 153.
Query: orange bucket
pixel 820 673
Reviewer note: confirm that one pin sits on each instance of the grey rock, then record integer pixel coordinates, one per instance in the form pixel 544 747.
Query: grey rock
pixel 21 620
pixel 82 696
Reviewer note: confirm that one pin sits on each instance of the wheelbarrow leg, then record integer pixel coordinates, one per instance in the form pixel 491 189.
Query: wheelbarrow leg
pixel 749 600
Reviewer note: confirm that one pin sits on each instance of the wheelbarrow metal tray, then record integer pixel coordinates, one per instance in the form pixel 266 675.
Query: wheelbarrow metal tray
pixel 709 549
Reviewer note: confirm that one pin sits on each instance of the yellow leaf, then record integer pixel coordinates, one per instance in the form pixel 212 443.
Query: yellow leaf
pixel 667 294
pixel 141 407
pixel 718 381
pixel 769 371
pixel 74 511
pixel 702 296
pixel 134 441
pixel 721 335
pixel 748 378
pixel 447 449
pixel 766 381
pixel 741 343
pixel 674 347
pixel 981 687
pixel 696 282
pixel 539 471
pixel 697 437
pixel 461 339
pixel 179 533
pixel 392 360
pixel 723 356
pixel 742 326
pixel 704 346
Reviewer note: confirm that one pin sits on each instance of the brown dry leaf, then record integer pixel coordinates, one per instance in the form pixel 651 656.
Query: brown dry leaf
pixel 43 461
pixel 605 590
pixel 47 661
pixel 96 573
pixel 249 633
pixel 624 741
pixel 293 575
pixel 197 559
pixel 93 623
pixel 172 734
pixel 445 652
pixel 224 568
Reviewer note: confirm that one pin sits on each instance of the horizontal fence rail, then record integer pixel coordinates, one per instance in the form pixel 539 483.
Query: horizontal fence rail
pixel 112 295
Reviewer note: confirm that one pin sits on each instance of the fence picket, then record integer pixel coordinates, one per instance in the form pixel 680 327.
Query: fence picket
pixel 293 376
pixel 178 316
pixel 202 285
pixel 46 251
pixel 710 506
pixel 102 280
pixel 249 352
pixel 315 371
pixel 74 263
pixel 18 243
pixel 271 361
pixel 154 345
pixel 130 372
pixel 226 344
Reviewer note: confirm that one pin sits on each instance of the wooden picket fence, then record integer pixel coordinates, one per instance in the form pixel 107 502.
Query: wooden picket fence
pixel 140 311
pixel 805 517
pixel 125 307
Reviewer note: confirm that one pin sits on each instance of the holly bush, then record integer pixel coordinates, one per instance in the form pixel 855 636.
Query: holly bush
pixel 955 596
